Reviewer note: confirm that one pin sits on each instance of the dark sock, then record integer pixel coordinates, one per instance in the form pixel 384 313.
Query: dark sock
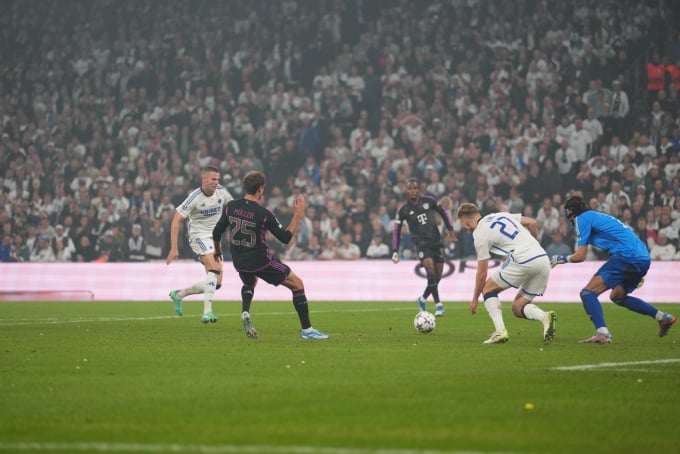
pixel 300 304
pixel 246 297
pixel 431 288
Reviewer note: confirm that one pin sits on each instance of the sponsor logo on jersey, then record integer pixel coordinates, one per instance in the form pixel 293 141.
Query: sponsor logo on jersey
pixel 210 212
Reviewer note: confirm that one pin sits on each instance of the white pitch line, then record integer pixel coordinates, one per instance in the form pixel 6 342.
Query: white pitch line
pixel 627 363
pixel 53 321
pixel 208 449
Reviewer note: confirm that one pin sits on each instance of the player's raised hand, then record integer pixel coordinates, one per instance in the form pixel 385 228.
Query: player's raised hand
pixel 299 204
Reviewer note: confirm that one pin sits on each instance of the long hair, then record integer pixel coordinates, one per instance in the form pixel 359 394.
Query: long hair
pixel 574 206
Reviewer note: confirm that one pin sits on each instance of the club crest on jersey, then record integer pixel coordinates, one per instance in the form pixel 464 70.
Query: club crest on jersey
pixel 426 206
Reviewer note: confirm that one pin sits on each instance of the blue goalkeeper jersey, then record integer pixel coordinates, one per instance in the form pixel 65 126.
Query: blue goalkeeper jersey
pixel 609 234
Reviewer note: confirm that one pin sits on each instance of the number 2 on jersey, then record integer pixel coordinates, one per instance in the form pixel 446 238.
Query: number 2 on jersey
pixel 510 230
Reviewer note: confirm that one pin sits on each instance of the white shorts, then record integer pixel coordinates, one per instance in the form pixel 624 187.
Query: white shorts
pixel 531 277
pixel 202 245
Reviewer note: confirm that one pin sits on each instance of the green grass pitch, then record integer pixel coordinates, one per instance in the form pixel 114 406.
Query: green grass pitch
pixel 132 377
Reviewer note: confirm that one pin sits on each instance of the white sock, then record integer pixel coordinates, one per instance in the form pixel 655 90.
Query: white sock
pixel 493 307
pixel 533 312
pixel 193 290
pixel 603 330
pixel 209 291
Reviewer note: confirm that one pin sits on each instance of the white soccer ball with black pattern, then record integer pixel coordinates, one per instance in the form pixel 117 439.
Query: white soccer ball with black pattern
pixel 425 322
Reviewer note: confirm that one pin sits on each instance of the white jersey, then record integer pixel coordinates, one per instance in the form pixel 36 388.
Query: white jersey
pixel 202 212
pixel 503 234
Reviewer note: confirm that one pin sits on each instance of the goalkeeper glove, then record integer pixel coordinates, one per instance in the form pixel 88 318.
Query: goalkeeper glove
pixel 557 260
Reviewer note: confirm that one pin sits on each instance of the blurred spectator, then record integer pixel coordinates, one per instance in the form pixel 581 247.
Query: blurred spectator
pixel 313 249
pixel 6 248
pixel 108 248
pixel 329 251
pixel 42 251
pixel 663 250
pixel 20 251
pixel 62 253
pixel 86 251
pixel 377 249
pixel 557 246
pixel 646 235
pixel 347 249
pixel 360 237
pixel 156 247
pixel 136 245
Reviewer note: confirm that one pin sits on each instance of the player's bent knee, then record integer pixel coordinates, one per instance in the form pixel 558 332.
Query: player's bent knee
pixel 518 311
pixel 617 294
pixel 586 292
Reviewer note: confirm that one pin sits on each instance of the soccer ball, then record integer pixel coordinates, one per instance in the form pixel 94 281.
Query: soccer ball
pixel 424 322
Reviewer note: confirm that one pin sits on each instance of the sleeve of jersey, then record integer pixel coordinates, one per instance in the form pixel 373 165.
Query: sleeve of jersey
pixel 481 245
pixel 396 234
pixel 583 229
pixel 184 208
pixel 274 226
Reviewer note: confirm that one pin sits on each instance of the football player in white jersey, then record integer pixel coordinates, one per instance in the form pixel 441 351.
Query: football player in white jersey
pixel 202 209
pixel 526 267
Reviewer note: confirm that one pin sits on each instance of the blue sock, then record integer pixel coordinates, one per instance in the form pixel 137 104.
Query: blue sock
pixel 593 308
pixel 637 305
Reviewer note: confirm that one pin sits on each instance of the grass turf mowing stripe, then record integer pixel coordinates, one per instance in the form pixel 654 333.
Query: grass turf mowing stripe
pixel 223 449
pixel 626 363
pixel 53 321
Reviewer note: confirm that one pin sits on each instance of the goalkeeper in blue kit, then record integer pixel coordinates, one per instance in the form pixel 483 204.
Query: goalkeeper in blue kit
pixel 623 272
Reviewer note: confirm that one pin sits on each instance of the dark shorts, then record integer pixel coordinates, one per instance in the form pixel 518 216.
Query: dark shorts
pixel 624 272
pixel 275 272
pixel 434 252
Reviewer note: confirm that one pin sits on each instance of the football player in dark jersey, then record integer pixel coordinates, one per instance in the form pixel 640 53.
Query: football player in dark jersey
pixel 248 223
pixel 418 212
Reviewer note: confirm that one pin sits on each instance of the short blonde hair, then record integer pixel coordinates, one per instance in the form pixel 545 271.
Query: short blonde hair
pixel 467 209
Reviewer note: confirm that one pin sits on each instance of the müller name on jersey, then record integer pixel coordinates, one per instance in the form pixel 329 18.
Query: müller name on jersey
pixel 244 214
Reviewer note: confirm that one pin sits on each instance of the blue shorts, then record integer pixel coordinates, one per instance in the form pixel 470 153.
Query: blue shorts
pixel 624 272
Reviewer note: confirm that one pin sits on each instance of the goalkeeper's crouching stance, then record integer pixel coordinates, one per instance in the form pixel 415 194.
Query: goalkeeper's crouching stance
pixel 628 263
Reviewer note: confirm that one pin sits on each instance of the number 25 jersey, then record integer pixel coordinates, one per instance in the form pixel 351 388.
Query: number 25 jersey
pixel 503 234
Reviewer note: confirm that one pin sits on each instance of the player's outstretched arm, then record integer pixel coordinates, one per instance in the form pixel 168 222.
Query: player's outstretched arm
pixel 174 238
pixel 480 280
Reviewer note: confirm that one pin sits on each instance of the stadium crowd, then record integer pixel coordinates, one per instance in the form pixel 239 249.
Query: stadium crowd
pixel 109 109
